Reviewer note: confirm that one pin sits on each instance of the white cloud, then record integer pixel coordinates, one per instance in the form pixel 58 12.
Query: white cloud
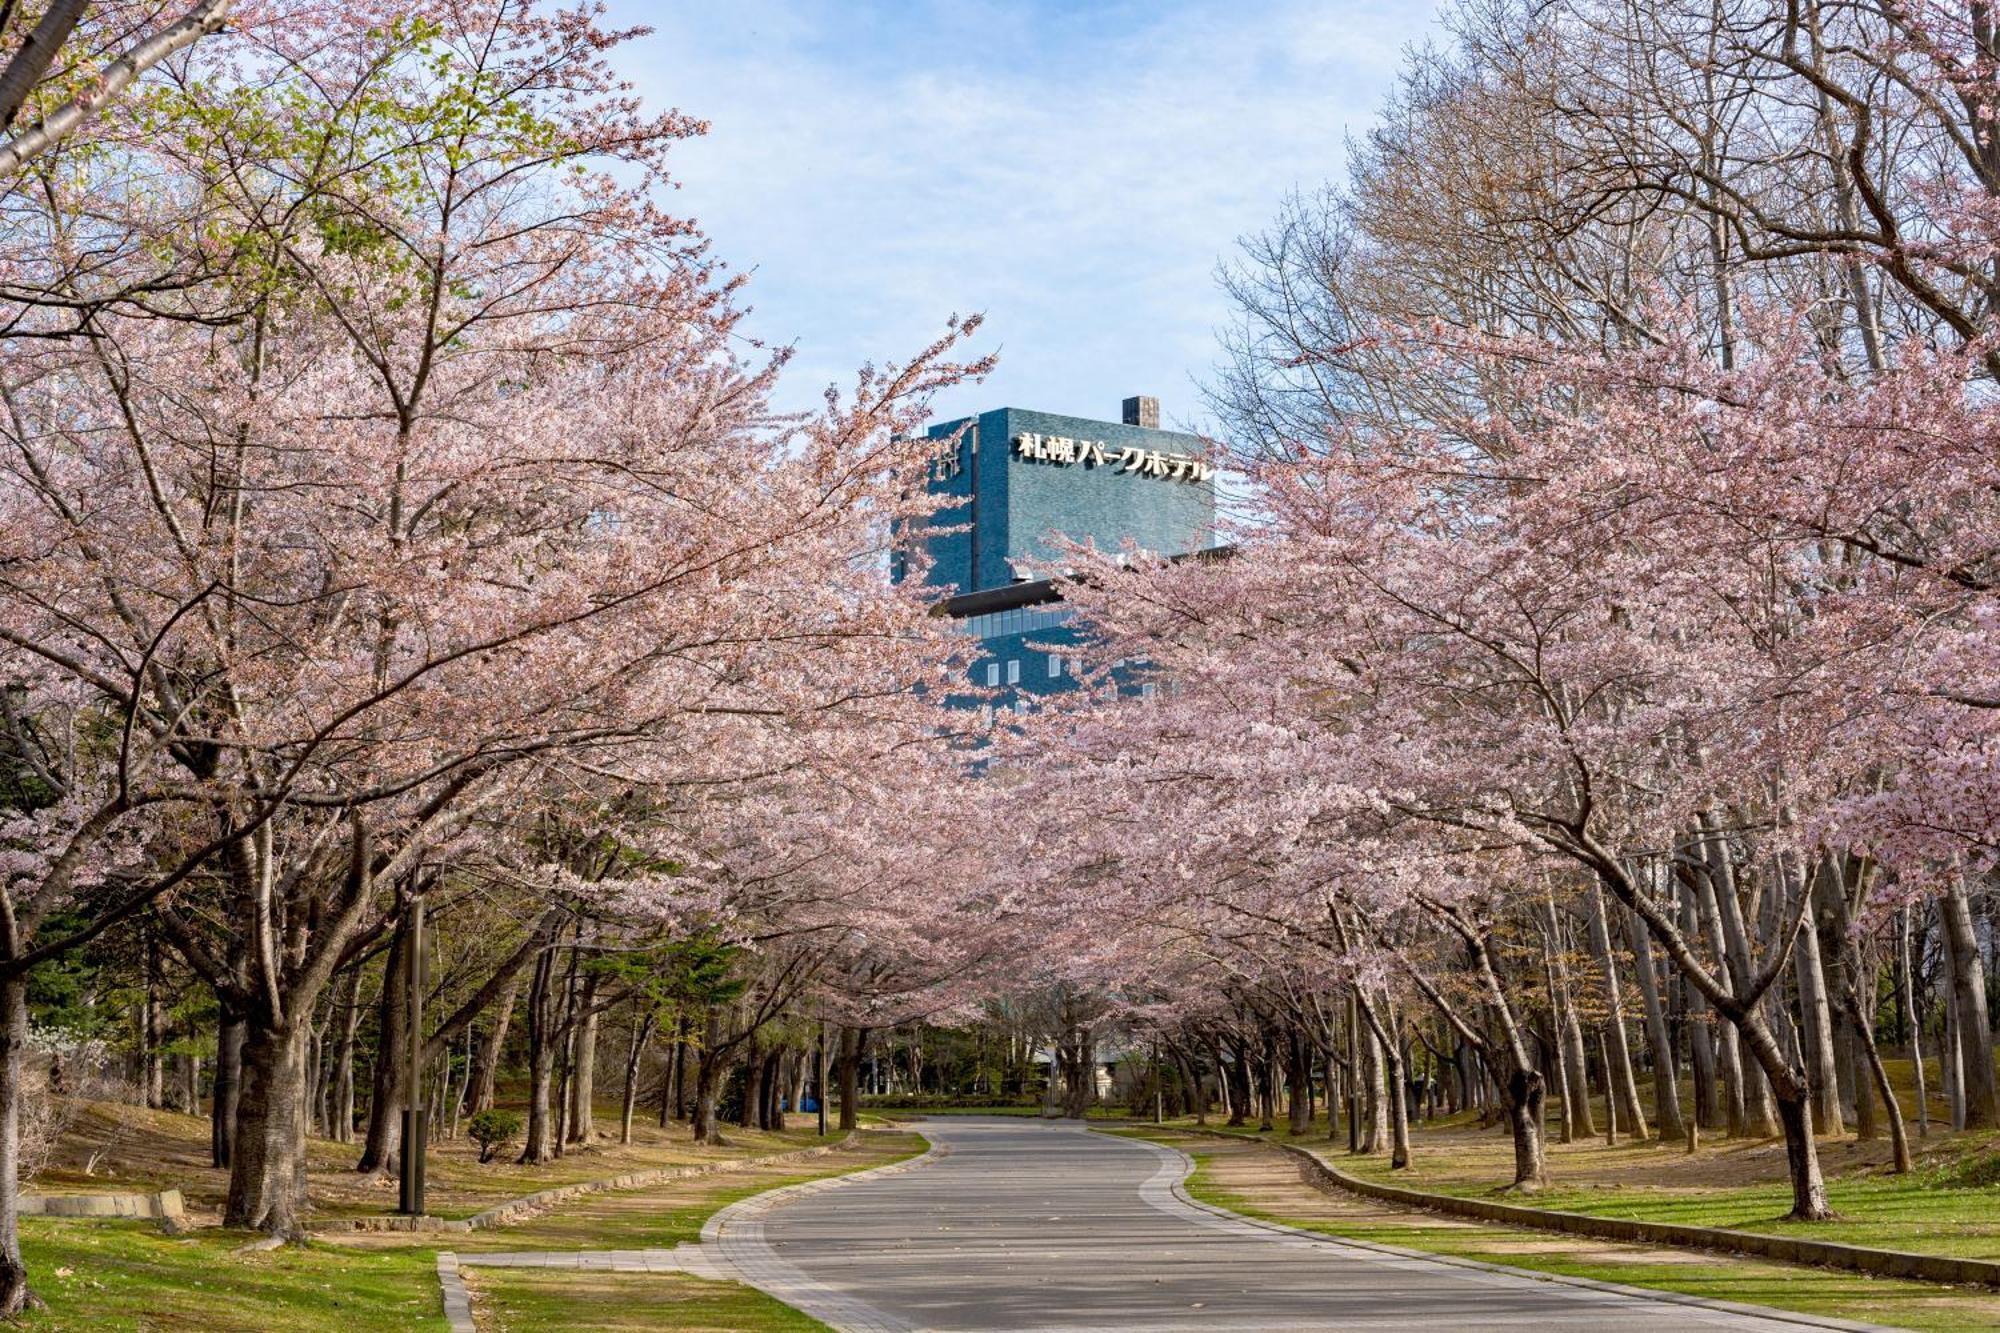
pixel 1074 170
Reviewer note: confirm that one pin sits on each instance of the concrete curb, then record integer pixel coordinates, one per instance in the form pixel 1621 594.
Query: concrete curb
pixel 1179 1191
pixel 457 1300
pixel 166 1205
pixel 1786 1249
pixel 735 1236
pixel 500 1214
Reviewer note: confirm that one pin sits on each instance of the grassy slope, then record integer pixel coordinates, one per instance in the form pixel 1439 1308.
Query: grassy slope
pixel 128 1275
pixel 131 1148
pixel 1814 1291
pixel 1945 1206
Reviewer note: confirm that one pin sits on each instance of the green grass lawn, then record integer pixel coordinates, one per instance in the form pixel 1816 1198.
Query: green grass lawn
pixel 1912 1305
pixel 662 1216
pixel 130 1275
pixel 1944 1207
pixel 529 1299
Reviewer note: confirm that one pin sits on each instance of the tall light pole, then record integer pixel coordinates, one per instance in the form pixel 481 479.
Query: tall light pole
pixel 821 1099
pixel 412 1200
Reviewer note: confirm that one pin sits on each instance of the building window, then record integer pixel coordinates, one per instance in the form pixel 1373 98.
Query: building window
pixel 992 674
pixel 1055 666
pixel 1013 671
pixel 1021 620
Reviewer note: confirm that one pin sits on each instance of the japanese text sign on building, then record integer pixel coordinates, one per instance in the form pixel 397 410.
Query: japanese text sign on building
pixel 1129 460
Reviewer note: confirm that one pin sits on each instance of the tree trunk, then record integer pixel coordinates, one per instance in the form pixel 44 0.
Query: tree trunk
pixel 1526 1096
pixel 14 1293
pixel 1666 1085
pixel 267 1169
pixel 1617 1053
pixel 641 1031
pixel 1816 1039
pixel 1399 1106
pixel 492 1045
pixel 1758 1117
pixel 1701 1035
pixel 1298 1079
pixel 1578 1121
pixel 1267 1085
pixel 392 1044
pixel 852 1040
pixel 228 1082
pixel 340 1114
pixel 1239 1087
pixel 1899 1138
pixel 771 1110
pixel 153 1030
pixel 1372 1095
pixel 1080 1093
pixel 671 1079
pixel 753 1084
pixel 583 1076
pixel 538 1142
pixel 1809 1202
pixel 707 1087
pixel 1912 1019
pixel 1968 979
pixel 1951 1055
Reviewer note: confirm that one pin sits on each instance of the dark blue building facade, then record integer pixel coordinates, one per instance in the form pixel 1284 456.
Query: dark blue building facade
pixel 1020 479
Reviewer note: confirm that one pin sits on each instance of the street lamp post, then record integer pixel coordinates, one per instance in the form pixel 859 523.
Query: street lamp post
pixel 821 1080
pixel 412 1180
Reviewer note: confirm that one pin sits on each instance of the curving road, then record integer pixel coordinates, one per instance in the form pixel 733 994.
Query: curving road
pixel 1018 1225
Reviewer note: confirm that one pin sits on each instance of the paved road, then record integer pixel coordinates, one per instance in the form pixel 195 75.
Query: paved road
pixel 1020 1225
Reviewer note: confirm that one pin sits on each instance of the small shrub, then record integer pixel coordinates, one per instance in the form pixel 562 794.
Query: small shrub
pixel 493 1130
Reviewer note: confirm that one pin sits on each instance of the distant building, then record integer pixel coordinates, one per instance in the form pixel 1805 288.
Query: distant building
pixel 1016 478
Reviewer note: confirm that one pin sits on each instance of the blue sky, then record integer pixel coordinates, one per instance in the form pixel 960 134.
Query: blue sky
pixel 1075 171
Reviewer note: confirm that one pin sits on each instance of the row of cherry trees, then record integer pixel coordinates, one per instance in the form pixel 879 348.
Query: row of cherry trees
pixel 1613 588
pixel 390 513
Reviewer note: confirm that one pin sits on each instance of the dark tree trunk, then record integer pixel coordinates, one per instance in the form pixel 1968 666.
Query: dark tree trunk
pixel 492 1044
pixel 14 1293
pixel 267 1168
pixel 1968 981
pixel 707 1087
pixel 771 1114
pixel 340 1114
pixel 672 1079
pixel 1899 1138
pixel 1526 1094
pixel 851 1042
pixel 753 1084
pixel 1298 1077
pixel 538 1143
pixel 392 1044
pixel 1659 1043
pixel 1239 1087
pixel 583 1080
pixel 153 1026
pixel 224 1095
pixel 642 1032
pixel 1617 1052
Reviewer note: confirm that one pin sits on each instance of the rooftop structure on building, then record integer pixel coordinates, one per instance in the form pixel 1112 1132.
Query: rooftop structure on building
pixel 1021 482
